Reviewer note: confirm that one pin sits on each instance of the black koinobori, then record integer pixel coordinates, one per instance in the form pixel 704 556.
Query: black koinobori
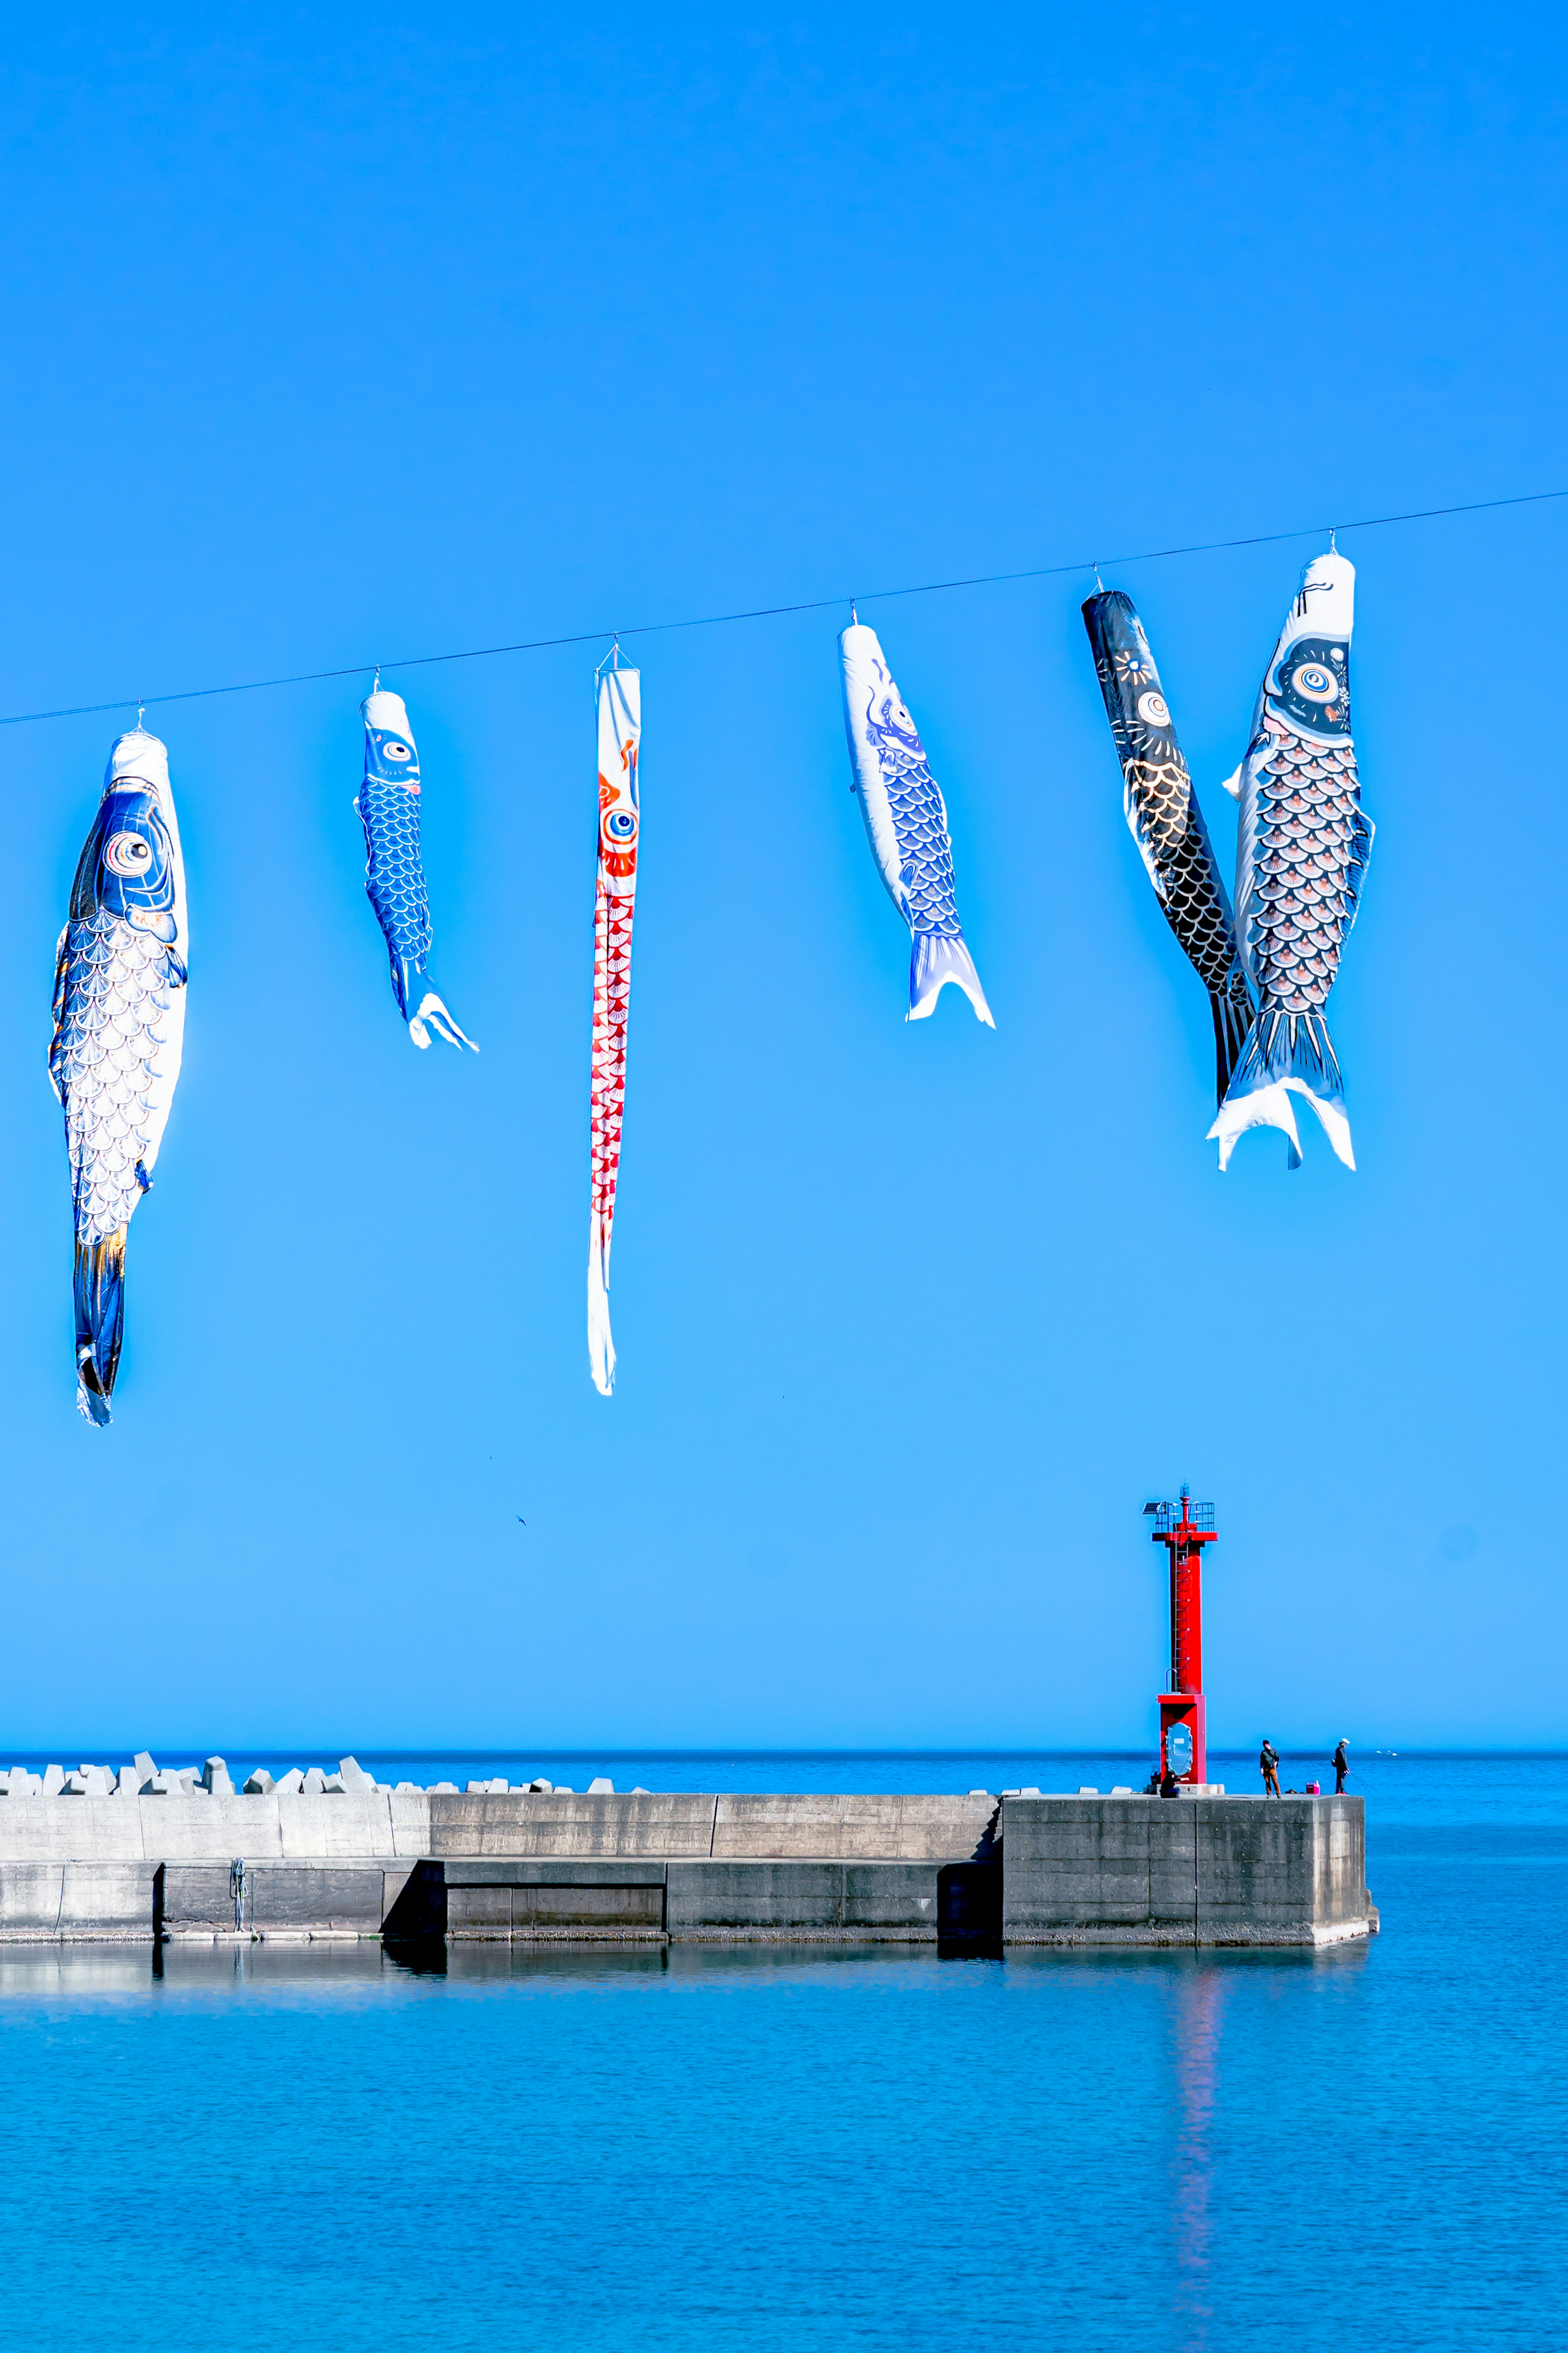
pixel 1167 822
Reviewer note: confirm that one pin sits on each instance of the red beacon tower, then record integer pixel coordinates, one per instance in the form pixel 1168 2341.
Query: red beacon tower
pixel 1184 1529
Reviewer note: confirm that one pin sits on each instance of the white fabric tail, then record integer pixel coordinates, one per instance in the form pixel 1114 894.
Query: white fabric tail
pixel 934 961
pixel 1285 1056
pixel 601 1348
pixel 432 1010
pixel 1264 1107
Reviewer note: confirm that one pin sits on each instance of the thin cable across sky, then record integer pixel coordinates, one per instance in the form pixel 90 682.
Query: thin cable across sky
pixel 773 612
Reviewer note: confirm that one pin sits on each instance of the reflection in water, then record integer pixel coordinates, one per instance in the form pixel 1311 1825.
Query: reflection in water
pixel 1194 1992
pixel 203 1965
pixel 1199 1999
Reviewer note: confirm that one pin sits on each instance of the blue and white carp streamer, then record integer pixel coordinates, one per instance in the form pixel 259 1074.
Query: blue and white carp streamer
pixel 120 1026
pixel 388 807
pixel 1302 851
pixel 906 820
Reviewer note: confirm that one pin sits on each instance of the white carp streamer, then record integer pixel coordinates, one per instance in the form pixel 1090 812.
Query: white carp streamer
pixel 120 1026
pixel 906 821
pixel 620 735
pixel 1301 850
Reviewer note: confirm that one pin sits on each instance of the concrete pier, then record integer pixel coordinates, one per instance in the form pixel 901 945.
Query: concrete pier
pixel 655 1867
pixel 1198 1870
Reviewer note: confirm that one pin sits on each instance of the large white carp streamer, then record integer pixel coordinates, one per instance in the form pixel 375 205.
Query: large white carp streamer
pixel 120 1025
pixel 1301 850
pixel 906 820
pixel 620 733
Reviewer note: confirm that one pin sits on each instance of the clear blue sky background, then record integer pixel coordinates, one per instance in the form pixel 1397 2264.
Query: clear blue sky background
pixel 337 335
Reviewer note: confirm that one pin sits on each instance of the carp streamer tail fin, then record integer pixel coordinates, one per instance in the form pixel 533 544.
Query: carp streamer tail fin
pixel 99 1323
pixel 1286 1054
pixel 934 959
pixel 1231 1024
pixel 430 1011
pixel 601 1348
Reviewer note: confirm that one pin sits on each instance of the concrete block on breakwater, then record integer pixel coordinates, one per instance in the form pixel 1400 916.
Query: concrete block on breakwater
pixel 1213 1871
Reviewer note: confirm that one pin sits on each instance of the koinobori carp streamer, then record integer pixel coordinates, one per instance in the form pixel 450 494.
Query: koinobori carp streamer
pixel 388 807
pixel 1302 846
pixel 614 903
pixel 119 1023
pixel 906 821
pixel 1167 822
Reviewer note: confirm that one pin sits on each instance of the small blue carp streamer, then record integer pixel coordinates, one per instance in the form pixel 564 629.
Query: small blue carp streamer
pixel 906 820
pixel 1163 813
pixel 120 1026
pixel 388 807
pixel 1302 851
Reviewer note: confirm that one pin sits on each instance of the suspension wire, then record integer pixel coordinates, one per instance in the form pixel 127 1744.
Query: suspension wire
pixel 777 612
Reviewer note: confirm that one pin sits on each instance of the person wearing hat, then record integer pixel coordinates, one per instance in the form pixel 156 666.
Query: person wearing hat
pixel 1268 1766
pixel 1341 1764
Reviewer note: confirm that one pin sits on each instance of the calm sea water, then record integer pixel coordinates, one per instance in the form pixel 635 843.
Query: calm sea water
pixel 603 2153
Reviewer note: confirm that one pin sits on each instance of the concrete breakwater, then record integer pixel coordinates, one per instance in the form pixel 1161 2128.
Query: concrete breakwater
pixel 194 1860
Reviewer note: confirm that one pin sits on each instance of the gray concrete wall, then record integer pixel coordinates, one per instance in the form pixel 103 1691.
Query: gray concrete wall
pixel 699 1900
pixel 356 1826
pixel 1207 1871
pixel 1339 1860
pixel 557 1823
pixel 198 1829
pixel 278 1899
pixel 886 1829
pixel 614 1909
pixel 796 1824
pixel 1068 1870
pixel 100 1900
pixel 818 1900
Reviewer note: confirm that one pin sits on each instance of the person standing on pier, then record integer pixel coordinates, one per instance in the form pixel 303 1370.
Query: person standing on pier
pixel 1341 1763
pixel 1268 1766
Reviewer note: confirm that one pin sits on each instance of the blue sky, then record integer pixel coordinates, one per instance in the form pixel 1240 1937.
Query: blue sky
pixel 346 335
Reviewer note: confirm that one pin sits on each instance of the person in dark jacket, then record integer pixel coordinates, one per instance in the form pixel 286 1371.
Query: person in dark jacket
pixel 1341 1764
pixel 1268 1766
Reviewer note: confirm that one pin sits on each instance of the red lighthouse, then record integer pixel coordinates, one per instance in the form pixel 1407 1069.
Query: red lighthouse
pixel 1184 1529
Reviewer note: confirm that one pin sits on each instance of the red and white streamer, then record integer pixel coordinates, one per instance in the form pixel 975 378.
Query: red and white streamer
pixel 620 733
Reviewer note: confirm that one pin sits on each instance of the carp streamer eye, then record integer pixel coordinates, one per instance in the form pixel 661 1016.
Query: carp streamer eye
pixel 1318 684
pixel 397 751
pixel 1153 709
pixel 620 827
pixel 126 854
